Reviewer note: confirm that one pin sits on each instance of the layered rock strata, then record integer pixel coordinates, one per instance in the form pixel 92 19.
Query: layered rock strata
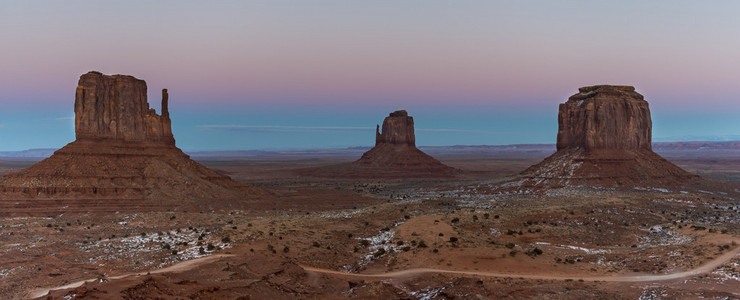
pixel 604 139
pixel 124 159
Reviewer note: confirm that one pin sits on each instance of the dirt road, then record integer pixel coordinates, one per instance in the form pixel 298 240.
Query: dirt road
pixel 706 268
pixel 187 265
pixel 178 267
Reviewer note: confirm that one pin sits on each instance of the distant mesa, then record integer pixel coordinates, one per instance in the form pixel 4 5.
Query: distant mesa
pixel 604 139
pixel 124 159
pixel 394 156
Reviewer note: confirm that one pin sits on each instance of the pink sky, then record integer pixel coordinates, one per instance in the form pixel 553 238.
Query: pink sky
pixel 682 55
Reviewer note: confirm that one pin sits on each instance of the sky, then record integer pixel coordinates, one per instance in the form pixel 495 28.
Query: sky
pixel 319 74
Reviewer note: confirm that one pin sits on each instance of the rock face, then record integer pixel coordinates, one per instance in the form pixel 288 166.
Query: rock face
pixel 116 107
pixel 605 117
pixel 398 129
pixel 604 139
pixel 124 159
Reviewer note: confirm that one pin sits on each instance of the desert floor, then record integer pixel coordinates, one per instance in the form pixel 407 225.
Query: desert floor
pixel 407 239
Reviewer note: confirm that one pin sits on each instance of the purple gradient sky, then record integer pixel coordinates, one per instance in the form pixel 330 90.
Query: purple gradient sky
pixel 515 59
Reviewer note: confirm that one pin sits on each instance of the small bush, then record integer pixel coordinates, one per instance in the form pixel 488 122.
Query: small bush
pixel 422 244
pixel 316 244
pixel 510 245
pixel 455 220
pixel 453 239
pixel 226 239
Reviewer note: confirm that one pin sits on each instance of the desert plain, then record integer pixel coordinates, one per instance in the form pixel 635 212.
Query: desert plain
pixel 459 238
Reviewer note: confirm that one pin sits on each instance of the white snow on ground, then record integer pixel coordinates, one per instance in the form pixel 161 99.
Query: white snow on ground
pixel 659 236
pixel 184 242
pixel 376 243
pixel 6 272
pixel 730 271
pixel 588 251
pixel 653 294
pixel 427 293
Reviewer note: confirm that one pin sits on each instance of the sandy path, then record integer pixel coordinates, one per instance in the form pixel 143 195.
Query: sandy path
pixel 178 267
pixel 706 268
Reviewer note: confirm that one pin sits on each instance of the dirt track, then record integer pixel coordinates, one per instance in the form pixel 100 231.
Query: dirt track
pixel 179 267
pixel 187 265
pixel 706 268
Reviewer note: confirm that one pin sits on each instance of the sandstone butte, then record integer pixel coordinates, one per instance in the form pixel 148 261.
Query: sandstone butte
pixel 124 158
pixel 394 156
pixel 604 139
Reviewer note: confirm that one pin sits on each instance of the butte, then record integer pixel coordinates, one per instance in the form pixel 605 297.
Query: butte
pixel 394 156
pixel 124 158
pixel 604 139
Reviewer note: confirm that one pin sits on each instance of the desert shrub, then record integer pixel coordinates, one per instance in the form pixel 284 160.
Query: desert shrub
pixel 174 252
pixel 286 249
pixel 453 239
pixel 422 244
pixel 166 246
pixel 380 252
pixel 513 253
pixel 486 216
pixel 226 239
pixel 534 252
pixel 455 220
pixel 365 243
pixel 510 245
pixel 210 247
pixel 316 244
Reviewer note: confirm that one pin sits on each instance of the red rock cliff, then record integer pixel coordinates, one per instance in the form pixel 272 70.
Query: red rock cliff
pixel 398 129
pixel 116 107
pixel 605 117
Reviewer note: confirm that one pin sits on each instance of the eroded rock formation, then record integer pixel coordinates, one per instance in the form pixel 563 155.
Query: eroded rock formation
pixel 116 107
pixel 605 117
pixel 604 138
pixel 124 159
pixel 398 129
pixel 394 156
